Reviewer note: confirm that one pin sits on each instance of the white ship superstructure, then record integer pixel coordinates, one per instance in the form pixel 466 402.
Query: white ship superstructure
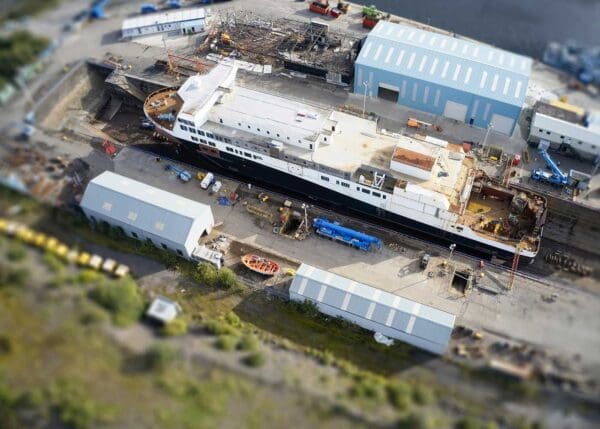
pixel 424 183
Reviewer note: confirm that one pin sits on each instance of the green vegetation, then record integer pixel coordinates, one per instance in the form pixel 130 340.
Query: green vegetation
pixel 17 50
pixel 121 298
pixel 16 252
pixel 158 357
pixel 399 394
pixel 223 279
pixel 175 328
pixel 226 342
pixel 88 277
pixel 415 421
pixel 370 11
pixel 255 359
pixel 54 263
pixel 12 276
pixel 24 8
pixel 467 423
pixel 248 342
pixel 217 327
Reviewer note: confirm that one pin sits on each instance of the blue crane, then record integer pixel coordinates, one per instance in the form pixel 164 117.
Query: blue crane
pixel 557 177
pixel 183 175
pixel 349 236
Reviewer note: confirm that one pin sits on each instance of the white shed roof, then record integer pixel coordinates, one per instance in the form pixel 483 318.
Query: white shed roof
pixel 163 309
pixel 142 206
pixel 455 63
pixel 409 321
pixel 565 128
pixel 179 15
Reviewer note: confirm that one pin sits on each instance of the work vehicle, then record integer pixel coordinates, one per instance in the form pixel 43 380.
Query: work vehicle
pixel 207 181
pixel 319 7
pixel 148 8
pixel 182 174
pixel 337 232
pixel 557 177
pixel 217 186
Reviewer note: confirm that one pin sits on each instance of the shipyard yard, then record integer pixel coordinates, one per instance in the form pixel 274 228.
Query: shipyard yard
pixel 473 328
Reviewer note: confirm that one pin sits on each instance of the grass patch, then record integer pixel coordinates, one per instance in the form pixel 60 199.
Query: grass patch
pixel 399 395
pixel 16 252
pixel 254 360
pixel 121 298
pixel 53 263
pixel 159 357
pixel 248 342
pixel 24 8
pixel 175 328
pixel 415 421
pixel 226 342
pixel 224 278
pixel 217 327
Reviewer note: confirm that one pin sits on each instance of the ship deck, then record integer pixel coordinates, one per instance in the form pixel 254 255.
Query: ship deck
pixel 163 102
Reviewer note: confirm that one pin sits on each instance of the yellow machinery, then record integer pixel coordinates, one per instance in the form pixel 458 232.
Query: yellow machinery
pixel 83 259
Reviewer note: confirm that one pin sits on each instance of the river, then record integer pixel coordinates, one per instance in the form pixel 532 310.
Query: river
pixel 522 26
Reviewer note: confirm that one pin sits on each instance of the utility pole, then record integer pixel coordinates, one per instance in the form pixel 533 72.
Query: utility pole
pixel 365 98
pixel 487 133
pixel 515 265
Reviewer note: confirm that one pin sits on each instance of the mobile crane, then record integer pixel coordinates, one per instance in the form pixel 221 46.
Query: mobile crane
pixel 557 178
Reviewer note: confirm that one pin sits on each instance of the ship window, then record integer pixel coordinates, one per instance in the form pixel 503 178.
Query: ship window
pixel 337 182
pixel 325 178
pixel 221 120
pixel 201 132
pixel 325 138
pixel 366 191
pixel 310 145
pixel 288 138
pixel 459 228
pixel 195 139
pixel 228 149
pixel 164 246
pixel 548 132
pixel 384 197
pixel 179 252
pixel 562 137
pixel 210 135
pixel 278 135
pixel 239 124
pixel 358 188
pixel 219 138
pixel 249 155
pixel 344 184
pixel 193 130
pixel 593 147
pixel 258 157
pixel 202 141
pixel 248 126
pixel 541 131
pixel 134 234
pixel 183 127
pixel 268 132
pixel 258 129
pixel 212 144
pixel 376 194
pixel 299 141
pixel 579 142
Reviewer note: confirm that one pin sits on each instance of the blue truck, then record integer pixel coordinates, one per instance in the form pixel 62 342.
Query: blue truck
pixel 337 232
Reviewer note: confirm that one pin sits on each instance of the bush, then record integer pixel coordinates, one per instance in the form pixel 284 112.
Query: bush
pixel 159 356
pixel 91 314
pixel 226 342
pixel 414 421
pixel 255 359
pixel 368 387
pixel 6 344
pixel 422 395
pixel 75 407
pixel 226 279
pixel 233 319
pixel 467 423
pixel 175 328
pixel 306 307
pixel 399 395
pixel 249 342
pixel 54 264
pixel 89 276
pixel 122 298
pixel 206 273
pixel 216 327
pixel 16 252
pixel 17 276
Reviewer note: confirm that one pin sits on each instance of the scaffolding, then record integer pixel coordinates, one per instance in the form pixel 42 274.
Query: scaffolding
pixel 265 40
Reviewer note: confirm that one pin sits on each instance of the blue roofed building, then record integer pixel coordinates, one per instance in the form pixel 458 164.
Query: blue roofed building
pixel 467 81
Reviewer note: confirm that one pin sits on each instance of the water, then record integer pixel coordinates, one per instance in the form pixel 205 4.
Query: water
pixel 522 26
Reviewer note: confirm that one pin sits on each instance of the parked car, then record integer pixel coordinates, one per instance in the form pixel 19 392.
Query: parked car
pixel 207 181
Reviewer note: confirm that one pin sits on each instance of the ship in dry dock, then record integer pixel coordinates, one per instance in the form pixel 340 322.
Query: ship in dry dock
pixel 422 185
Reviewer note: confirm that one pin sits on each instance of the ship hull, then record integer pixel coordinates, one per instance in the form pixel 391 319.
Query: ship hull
pixel 270 178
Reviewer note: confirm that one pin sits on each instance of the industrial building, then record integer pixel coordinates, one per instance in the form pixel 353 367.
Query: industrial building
pixel 567 128
pixel 376 310
pixel 462 80
pixel 180 21
pixel 146 213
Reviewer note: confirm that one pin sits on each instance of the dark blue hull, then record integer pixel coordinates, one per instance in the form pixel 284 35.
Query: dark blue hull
pixel 247 170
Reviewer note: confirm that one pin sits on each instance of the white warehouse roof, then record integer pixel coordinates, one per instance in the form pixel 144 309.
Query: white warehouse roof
pixel 179 15
pixel 145 207
pixel 459 64
pixel 374 309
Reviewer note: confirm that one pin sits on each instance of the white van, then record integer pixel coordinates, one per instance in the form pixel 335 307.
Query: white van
pixel 217 186
pixel 206 182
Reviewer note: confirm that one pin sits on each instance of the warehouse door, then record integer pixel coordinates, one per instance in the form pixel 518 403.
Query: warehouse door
pixel 455 111
pixel 388 92
pixel 502 124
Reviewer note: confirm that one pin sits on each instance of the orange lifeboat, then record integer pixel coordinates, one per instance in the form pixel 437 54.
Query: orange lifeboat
pixel 260 265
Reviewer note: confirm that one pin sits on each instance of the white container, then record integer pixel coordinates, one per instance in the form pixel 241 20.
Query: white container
pixel 217 186
pixel 207 180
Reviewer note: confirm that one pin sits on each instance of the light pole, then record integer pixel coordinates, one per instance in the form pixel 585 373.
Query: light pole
pixel 452 247
pixel 365 83
pixel 487 133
